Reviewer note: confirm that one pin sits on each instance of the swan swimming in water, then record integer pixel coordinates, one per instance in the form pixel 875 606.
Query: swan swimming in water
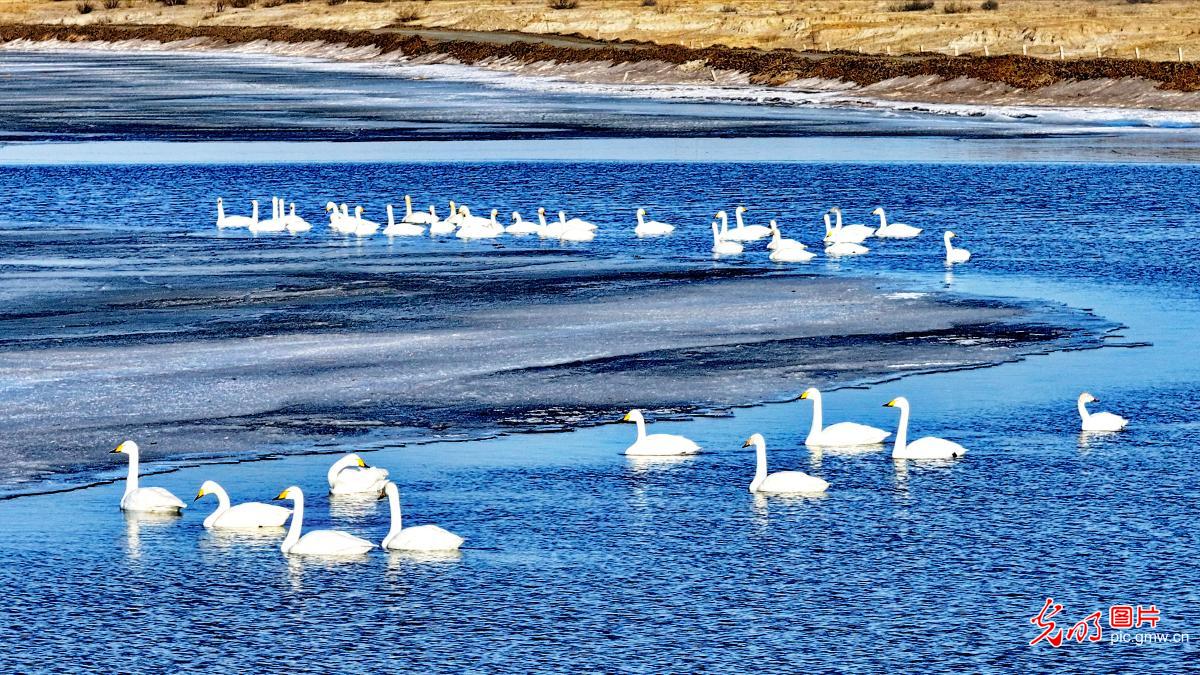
pixel 656 444
pixel 224 221
pixel 276 222
pixel 418 217
pixel 521 227
pixel 929 447
pixel 401 229
pixel 954 255
pixel 893 230
pixel 722 247
pixel 144 499
pixel 1101 421
pixel 419 538
pixel 650 228
pixel 778 241
pixel 474 227
pixel 242 516
pixel 841 434
pixel 295 223
pixel 317 542
pixel 351 475
pixel 780 482
pixel 791 254
pixel 852 234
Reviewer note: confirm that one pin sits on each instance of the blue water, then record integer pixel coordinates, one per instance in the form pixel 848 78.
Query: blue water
pixel 577 558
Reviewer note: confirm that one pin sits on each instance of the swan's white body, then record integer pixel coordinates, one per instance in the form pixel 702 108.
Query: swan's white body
pixel 243 516
pixel 350 475
pixel 955 255
pixel 851 234
pixel 295 223
pixel 224 221
pixel 929 447
pixel 791 254
pixel 576 233
pixel 446 225
pixel 547 230
pixel 474 227
pixel 361 226
pixel 522 227
pixel 402 229
pixel 144 499
pixel 780 482
pixel 656 445
pixel 743 232
pixel 419 538
pixel 841 434
pixel 840 249
pixel 574 222
pixel 888 230
pixel 418 217
pixel 651 228
pixel 317 542
pixel 276 223
pixel 1101 421
pixel 778 241
pixel 722 247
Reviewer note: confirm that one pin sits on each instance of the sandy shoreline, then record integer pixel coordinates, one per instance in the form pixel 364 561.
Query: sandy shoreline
pixel 923 78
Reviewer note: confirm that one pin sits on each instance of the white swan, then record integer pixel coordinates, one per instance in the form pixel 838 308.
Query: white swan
pixel 574 222
pixel 361 226
pixel 245 515
pixel 335 216
pixel 224 221
pixel 841 434
pixel 577 233
pixel 650 228
pixel 778 241
pixel 845 248
pixel 418 217
pixel 144 499
pixel 474 227
pixel 402 229
pixel 656 445
pixel 888 230
pixel 455 217
pixel 550 230
pixel 275 223
pixel 722 247
pixel 929 447
pixel 955 255
pixel 521 227
pixel 444 226
pixel 791 254
pixel 1101 421
pixel 351 475
pixel 742 232
pixel 780 482
pixel 295 223
pixel 853 234
pixel 419 538
pixel 317 542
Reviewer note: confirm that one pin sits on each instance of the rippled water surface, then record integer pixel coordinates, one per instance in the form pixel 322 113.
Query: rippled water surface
pixel 576 557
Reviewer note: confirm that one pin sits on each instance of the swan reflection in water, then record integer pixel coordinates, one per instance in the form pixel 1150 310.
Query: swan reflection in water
pixel 137 521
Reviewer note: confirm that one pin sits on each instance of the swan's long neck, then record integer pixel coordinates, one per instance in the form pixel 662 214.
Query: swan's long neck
pixel 882 218
pixel 397 519
pixel 220 210
pixel 293 534
pixel 902 430
pixel 222 506
pixel 949 248
pixel 760 467
pixel 337 468
pixel 392 218
pixel 828 226
pixel 276 208
pixel 1083 411
pixel 775 235
pixel 131 481
pixel 641 219
pixel 724 223
pixel 254 212
pixel 407 206
pixel 817 422
pixel 542 218
pixel 737 215
pixel 838 213
pixel 641 427
pixel 562 217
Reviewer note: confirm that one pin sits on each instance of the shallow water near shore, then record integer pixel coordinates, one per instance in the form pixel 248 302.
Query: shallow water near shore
pixel 576 557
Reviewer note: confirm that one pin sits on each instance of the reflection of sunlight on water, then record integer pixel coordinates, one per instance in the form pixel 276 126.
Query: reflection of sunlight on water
pixel 258 537
pixel 762 503
pixel 398 560
pixel 648 464
pixel 901 467
pixel 299 565
pixel 948 279
pixel 1087 438
pixel 353 506
pixel 135 521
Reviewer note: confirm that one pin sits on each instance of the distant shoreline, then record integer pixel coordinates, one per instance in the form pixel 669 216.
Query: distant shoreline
pixel 919 78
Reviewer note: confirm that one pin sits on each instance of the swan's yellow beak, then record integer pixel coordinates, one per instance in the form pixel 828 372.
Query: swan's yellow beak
pixel 747 443
pixel 625 418
pixel 118 450
pixel 804 396
pixel 890 404
pixel 361 462
pixel 283 495
pixel 199 495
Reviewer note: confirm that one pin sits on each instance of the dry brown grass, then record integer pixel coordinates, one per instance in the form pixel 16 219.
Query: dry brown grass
pixel 1038 26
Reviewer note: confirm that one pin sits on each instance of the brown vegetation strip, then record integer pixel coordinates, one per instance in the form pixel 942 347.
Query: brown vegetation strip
pixel 764 67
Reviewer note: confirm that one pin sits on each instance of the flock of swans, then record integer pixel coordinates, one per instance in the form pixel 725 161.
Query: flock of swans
pixel 840 239
pixel 350 475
